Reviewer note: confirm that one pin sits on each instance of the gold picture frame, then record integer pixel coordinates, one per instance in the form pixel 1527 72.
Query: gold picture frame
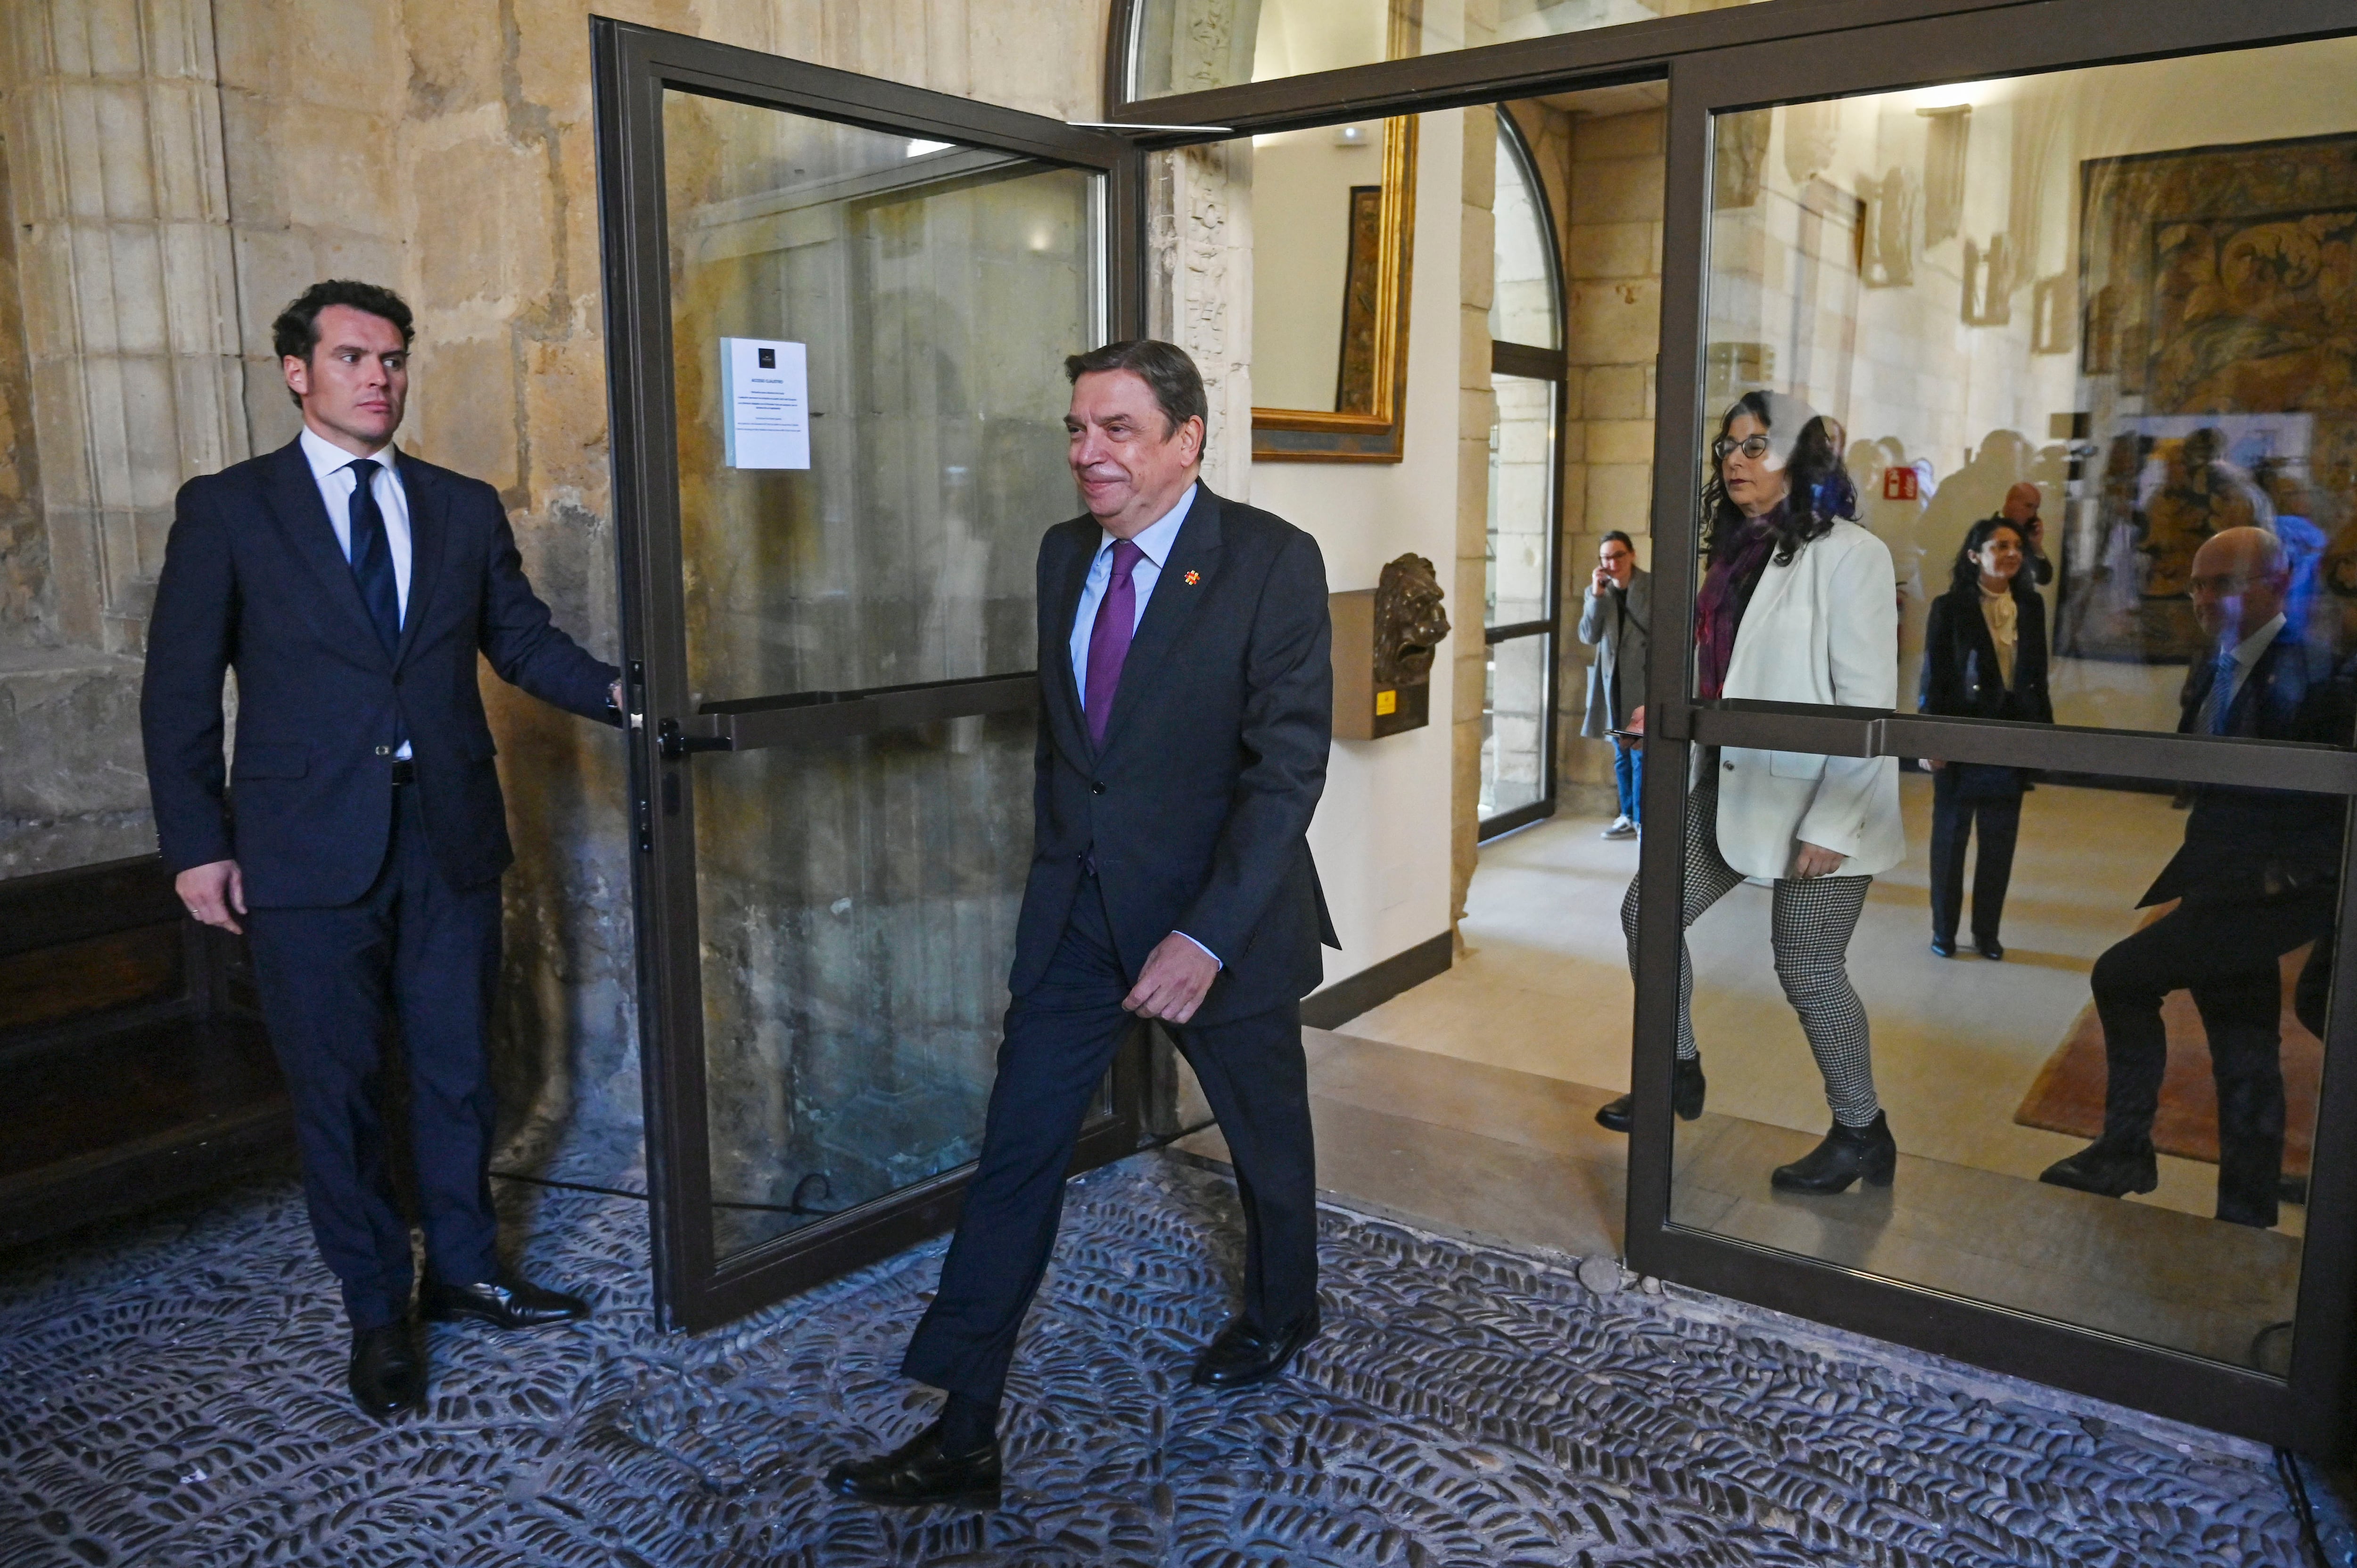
pixel 1376 433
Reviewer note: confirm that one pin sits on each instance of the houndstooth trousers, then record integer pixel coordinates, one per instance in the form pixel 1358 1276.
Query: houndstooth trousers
pixel 1809 931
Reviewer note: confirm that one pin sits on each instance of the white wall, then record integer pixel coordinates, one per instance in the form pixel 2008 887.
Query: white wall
pixel 1382 831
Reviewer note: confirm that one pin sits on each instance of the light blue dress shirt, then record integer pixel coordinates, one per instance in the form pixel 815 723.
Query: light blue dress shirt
pixel 1154 544
pixel 1156 541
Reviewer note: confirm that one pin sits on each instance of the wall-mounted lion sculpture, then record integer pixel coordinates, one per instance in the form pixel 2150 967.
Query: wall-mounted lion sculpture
pixel 1409 622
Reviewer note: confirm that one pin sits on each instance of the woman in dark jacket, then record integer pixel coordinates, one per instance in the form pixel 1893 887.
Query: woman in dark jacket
pixel 1984 657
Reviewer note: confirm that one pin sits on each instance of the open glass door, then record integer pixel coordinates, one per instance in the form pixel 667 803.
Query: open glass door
pixel 2049 304
pixel 838 311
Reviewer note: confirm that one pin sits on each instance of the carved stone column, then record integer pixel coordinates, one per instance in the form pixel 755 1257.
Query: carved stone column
pixel 121 206
pixel 1199 228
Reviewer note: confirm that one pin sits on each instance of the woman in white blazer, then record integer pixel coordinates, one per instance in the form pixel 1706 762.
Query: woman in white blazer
pixel 1797 606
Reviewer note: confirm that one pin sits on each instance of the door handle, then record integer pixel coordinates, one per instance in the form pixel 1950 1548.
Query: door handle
pixel 675 742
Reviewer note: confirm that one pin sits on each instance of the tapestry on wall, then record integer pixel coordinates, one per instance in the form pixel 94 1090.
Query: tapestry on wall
pixel 1362 284
pixel 2219 357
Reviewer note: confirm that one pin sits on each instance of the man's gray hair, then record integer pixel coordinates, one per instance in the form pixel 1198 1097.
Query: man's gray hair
pixel 1176 384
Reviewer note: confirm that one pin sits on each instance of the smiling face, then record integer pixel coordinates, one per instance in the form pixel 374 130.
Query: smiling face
pixel 1130 463
pixel 1999 557
pixel 2238 583
pixel 356 382
pixel 1753 475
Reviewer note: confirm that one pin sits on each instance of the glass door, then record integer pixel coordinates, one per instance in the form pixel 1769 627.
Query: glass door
pixel 2036 384
pixel 841 313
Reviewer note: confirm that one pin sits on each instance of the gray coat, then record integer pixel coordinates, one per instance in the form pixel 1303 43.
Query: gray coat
pixel 1622 643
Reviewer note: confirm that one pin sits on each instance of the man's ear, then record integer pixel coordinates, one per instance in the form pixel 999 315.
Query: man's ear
pixel 299 375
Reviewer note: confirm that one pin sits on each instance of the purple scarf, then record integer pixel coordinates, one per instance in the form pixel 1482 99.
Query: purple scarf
pixel 1726 590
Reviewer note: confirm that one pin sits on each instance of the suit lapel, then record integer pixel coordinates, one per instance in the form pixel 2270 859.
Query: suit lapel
pixel 429 518
pixel 1062 693
pixel 293 500
pixel 1196 553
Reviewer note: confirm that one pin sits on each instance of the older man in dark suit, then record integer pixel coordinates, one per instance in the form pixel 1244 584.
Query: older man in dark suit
pixel 362 835
pixel 2257 876
pixel 1186 711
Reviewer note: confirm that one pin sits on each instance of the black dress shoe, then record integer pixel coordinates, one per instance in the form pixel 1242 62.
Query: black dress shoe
pixel 387 1375
pixel 1989 947
pixel 1943 946
pixel 1847 1153
pixel 1686 1099
pixel 510 1301
pixel 917 1473
pixel 1243 1354
pixel 2107 1169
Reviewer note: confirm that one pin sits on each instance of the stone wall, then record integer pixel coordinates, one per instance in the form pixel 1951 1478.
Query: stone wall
pixel 178 169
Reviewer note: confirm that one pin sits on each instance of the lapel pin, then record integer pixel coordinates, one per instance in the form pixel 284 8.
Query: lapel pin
pixel 1193 578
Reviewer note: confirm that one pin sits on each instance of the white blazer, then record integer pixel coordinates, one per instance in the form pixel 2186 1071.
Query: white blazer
pixel 1822 629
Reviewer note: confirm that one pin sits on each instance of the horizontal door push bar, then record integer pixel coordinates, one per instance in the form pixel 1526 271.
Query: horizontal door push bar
pixel 2177 759
pixel 811 717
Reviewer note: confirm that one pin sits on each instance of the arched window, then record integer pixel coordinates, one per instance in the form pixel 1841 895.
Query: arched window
pixel 1519 610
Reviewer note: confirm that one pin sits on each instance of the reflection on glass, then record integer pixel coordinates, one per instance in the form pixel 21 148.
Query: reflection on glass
pixel 2148 1046
pixel 2110 305
pixel 856 899
pixel 1318 205
pixel 1514 723
pixel 1189 46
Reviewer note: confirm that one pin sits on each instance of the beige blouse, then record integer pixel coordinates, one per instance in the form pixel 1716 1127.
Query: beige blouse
pixel 2004 620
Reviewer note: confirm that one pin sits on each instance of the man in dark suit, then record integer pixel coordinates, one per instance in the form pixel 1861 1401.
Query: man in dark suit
pixel 363 835
pixel 1186 713
pixel 2258 877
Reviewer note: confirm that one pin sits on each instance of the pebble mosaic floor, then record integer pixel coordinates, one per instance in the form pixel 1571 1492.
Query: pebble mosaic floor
pixel 171 1395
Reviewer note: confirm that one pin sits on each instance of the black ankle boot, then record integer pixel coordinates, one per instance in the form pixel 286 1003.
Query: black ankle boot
pixel 1847 1153
pixel 1686 1099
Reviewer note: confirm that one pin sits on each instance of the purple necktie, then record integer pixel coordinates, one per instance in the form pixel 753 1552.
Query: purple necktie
pixel 1116 623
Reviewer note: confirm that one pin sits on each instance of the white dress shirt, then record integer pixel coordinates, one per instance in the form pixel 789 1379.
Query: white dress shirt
pixel 1154 544
pixel 331 471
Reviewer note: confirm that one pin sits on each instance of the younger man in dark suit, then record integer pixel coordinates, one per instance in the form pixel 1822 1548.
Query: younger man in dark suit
pixel 352 586
pixel 2258 877
pixel 1186 711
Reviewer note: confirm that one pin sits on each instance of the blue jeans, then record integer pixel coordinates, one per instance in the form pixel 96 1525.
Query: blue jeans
pixel 1629 775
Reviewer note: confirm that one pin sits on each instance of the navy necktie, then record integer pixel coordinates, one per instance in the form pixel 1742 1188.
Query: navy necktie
pixel 371 556
pixel 2222 690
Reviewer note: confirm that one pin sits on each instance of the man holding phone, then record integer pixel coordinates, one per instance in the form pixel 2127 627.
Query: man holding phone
pixel 1615 619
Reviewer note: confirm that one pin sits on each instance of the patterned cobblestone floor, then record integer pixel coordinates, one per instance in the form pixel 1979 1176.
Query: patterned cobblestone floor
pixel 170 1394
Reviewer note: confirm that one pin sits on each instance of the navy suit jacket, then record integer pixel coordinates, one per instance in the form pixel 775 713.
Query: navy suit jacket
pixel 1196 810
pixel 2243 843
pixel 253 579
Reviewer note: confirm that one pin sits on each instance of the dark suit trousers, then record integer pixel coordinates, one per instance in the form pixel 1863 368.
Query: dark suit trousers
pixel 417 952
pixel 2226 953
pixel 1060 1037
pixel 1951 826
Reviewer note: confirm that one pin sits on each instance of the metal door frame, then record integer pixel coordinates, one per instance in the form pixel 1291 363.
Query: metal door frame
pixel 2307 1409
pixel 633 66
pixel 1794 51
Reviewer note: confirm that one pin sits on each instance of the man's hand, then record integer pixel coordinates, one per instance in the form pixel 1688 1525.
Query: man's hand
pixel 210 891
pixel 1172 985
pixel 1815 860
pixel 614 695
pixel 1600 581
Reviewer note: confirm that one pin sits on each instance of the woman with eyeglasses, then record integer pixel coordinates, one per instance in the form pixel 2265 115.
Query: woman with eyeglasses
pixel 1984 657
pixel 1796 607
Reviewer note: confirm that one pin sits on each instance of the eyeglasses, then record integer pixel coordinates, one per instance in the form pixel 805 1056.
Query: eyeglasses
pixel 1752 446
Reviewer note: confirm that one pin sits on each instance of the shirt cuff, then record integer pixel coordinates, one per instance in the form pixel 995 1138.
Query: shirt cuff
pixel 1206 951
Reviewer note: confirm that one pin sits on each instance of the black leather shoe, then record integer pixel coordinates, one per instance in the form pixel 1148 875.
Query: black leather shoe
pixel 1943 947
pixel 510 1301
pixel 1989 948
pixel 1847 1153
pixel 1685 1098
pixel 2107 1169
pixel 917 1473
pixel 1243 1354
pixel 387 1375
